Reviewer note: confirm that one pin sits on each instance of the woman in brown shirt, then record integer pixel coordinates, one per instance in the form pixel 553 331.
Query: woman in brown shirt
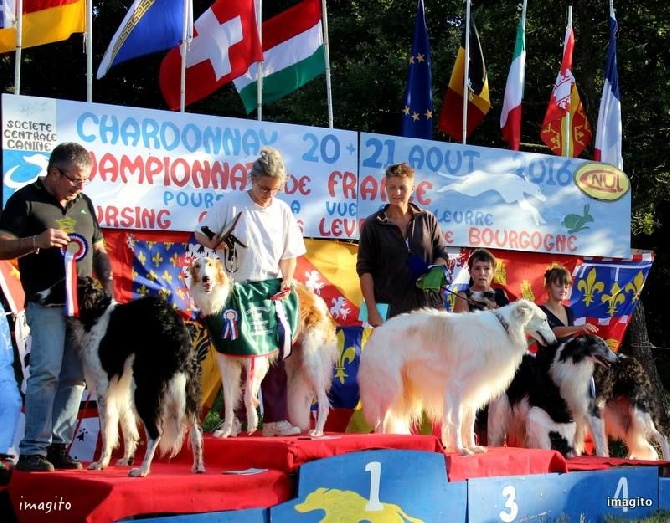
pixel 394 241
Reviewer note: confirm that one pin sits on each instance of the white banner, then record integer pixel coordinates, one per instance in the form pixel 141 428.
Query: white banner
pixel 501 199
pixel 159 170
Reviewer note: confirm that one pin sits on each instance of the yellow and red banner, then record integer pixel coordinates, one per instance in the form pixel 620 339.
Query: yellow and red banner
pixel 44 22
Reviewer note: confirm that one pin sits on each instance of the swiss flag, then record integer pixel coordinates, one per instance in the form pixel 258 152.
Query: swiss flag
pixel 225 44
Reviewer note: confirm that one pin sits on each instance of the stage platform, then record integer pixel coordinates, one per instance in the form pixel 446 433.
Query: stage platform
pixel 250 478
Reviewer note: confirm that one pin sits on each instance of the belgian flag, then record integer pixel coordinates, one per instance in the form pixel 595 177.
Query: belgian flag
pixel 451 116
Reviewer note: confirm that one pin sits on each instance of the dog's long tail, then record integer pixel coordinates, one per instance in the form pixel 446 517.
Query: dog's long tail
pixel 174 426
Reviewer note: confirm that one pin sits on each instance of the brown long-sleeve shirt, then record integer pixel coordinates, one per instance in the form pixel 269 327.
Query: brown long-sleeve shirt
pixel 383 253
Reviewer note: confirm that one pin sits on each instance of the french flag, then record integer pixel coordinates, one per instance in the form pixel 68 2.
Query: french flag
pixel 609 132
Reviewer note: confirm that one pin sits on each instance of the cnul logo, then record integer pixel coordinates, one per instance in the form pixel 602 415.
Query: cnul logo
pixel 601 181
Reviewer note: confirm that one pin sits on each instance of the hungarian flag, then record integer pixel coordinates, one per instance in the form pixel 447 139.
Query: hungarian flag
pixel 609 131
pixel 417 115
pixel 293 54
pixel 43 22
pixel 451 117
pixel 510 117
pixel 225 43
pixel 565 100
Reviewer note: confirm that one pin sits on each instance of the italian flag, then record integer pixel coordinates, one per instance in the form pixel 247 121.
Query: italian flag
pixel 510 117
pixel 293 54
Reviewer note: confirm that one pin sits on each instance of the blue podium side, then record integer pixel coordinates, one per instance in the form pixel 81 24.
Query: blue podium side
pixel 630 492
pixel 664 493
pixel 379 486
pixel 254 515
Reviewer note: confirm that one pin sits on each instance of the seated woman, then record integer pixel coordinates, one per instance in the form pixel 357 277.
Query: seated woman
pixel 480 295
pixel 558 282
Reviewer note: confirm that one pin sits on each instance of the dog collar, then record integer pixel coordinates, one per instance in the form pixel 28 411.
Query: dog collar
pixel 502 321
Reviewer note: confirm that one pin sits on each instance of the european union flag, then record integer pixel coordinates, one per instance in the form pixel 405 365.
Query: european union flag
pixel 417 117
pixel 148 27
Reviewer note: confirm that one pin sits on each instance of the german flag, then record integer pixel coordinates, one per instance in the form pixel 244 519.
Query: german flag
pixel 44 22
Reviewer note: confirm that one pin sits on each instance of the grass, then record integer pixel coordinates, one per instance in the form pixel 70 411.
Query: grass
pixel 661 517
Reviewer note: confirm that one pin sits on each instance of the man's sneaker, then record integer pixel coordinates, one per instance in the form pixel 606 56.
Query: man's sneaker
pixel 34 463
pixel 280 428
pixel 61 460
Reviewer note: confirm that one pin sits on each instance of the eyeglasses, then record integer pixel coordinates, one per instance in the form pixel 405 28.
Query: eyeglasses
pixel 76 182
pixel 267 190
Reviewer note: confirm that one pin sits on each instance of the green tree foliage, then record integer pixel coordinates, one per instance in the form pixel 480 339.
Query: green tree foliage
pixel 369 42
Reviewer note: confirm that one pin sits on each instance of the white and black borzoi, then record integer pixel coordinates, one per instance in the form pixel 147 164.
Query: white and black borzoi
pixel 309 367
pixel 447 364
pixel 627 407
pixel 550 392
pixel 138 359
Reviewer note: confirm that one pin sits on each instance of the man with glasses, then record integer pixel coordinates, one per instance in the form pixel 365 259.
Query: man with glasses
pixel 41 223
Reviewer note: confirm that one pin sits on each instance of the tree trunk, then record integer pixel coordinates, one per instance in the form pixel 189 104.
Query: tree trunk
pixel 636 343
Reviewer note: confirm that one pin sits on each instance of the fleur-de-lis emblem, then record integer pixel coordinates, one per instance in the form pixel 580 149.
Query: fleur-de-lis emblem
pixel 613 344
pixel 348 355
pixel 614 299
pixel 636 286
pixel 590 286
pixel 157 259
pixel 451 299
pixel 527 291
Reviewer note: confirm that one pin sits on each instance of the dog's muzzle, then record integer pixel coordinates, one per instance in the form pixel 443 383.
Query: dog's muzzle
pixel 206 282
pixel 543 341
pixel 606 360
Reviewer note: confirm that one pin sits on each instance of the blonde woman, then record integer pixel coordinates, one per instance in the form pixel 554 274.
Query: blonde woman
pixel 269 243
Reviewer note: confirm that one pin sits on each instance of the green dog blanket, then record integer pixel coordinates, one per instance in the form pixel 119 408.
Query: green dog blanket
pixel 252 324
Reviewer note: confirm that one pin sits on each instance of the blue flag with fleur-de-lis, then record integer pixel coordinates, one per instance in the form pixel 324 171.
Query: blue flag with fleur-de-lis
pixel 417 113
pixel 608 290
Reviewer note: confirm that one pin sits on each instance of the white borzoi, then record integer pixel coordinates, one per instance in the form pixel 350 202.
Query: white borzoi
pixel 627 407
pixel 138 359
pixel 549 393
pixel 448 364
pixel 309 367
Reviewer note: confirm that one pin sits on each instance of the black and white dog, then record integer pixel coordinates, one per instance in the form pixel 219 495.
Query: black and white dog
pixel 549 393
pixel 138 359
pixel 627 407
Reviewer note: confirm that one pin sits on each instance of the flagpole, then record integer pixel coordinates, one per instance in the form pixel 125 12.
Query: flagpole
pixel 186 35
pixel 18 20
pixel 466 72
pixel 259 65
pixel 89 50
pixel 326 57
pixel 567 134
